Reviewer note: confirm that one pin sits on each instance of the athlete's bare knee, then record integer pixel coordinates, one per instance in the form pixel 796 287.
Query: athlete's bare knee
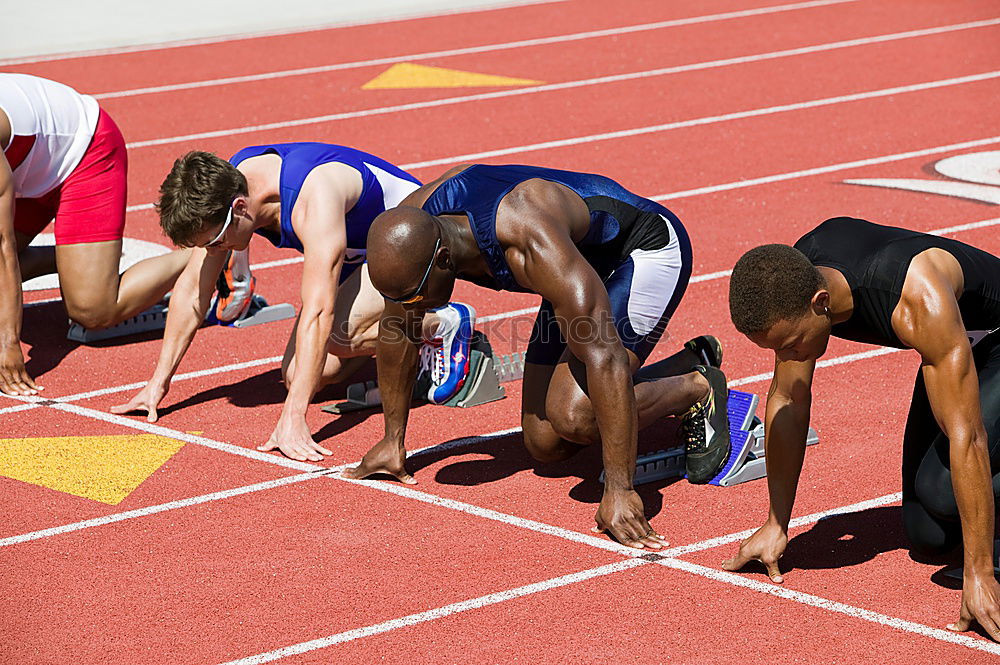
pixel 92 316
pixel 544 445
pixel 575 423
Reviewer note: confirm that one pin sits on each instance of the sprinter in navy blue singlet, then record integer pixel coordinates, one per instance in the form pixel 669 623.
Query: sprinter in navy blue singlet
pixel 611 268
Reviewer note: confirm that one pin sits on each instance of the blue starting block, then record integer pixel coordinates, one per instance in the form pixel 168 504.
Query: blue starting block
pixel 746 449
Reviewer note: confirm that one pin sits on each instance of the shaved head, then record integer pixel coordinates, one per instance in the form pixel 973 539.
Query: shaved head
pixel 401 244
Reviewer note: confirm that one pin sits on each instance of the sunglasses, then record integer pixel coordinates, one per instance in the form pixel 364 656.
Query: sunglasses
pixel 217 240
pixel 415 295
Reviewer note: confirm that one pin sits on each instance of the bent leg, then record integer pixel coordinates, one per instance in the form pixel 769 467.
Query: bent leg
pixel 94 293
pixel 354 334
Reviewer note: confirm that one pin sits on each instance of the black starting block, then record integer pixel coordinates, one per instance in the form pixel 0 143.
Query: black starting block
pixel 746 449
pixel 482 385
pixel 155 318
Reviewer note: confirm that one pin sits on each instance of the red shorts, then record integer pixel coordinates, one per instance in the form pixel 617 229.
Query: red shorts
pixel 89 206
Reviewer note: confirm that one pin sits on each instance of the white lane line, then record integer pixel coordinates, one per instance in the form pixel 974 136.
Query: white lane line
pixel 708 120
pixel 831 605
pixel 258 34
pixel 791 175
pixel 515 92
pixel 19 407
pixel 438 613
pixel 179 377
pixel 151 428
pixel 152 510
pixel 507 315
pixel 486 48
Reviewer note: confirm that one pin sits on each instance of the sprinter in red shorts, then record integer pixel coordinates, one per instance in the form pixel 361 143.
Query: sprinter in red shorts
pixel 64 160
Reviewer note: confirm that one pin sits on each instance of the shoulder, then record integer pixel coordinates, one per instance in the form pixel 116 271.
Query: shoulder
pixel 928 308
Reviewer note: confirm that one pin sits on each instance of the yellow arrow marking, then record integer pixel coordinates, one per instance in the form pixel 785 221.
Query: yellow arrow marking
pixel 408 75
pixel 102 468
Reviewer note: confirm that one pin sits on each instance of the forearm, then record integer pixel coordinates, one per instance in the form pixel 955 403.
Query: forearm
pixel 396 360
pixel 10 293
pixel 971 480
pixel 786 424
pixel 185 315
pixel 611 393
pixel 311 337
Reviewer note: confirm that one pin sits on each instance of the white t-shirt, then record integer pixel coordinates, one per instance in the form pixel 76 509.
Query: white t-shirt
pixel 51 127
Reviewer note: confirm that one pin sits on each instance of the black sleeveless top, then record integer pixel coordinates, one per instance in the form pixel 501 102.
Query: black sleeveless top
pixel 874 260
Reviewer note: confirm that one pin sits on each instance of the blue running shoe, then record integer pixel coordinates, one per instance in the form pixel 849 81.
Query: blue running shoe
pixel 446 357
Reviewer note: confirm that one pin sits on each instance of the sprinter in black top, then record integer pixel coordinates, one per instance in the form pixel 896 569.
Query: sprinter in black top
pixel 898 288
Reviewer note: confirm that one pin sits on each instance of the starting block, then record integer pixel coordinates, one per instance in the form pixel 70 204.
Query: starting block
pixel 746 449
pixel 155 318
pixel 482 385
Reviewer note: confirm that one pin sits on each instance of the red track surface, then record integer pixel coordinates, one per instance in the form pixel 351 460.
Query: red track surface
pixel 236 576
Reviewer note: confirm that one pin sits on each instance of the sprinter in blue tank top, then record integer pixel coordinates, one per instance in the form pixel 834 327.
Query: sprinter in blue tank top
pixel 611 268
pixel 317 199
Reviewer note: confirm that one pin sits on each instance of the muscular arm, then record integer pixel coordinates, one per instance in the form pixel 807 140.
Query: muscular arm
pixel 928 318
pixel 318 218
pixel 547 261
pixel 786 425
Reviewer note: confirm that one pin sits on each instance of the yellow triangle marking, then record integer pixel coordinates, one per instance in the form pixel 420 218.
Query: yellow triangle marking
pixel 408 75
pixel 102 468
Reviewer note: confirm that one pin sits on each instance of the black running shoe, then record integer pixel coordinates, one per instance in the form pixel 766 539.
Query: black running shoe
pixel 707 348
pixel 706 430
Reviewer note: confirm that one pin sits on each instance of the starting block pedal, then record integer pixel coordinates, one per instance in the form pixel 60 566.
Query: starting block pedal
pixel 155 318
pixel 257 313
pixel 482 384
pixel 746 449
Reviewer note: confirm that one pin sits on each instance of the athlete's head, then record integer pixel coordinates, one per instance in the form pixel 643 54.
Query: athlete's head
pixel 780 301
pixel 203 203
pixel 409 260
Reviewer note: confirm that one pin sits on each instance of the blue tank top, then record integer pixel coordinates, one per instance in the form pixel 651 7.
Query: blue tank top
pixel 383 186
pixel 620 221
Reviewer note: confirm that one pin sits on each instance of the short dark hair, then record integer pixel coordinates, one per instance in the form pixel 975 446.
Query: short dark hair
pixel 771 283
pixel 196 194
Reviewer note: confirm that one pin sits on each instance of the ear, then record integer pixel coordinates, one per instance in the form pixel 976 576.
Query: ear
pixel 443 259
pixel 821 302
pixel 240 205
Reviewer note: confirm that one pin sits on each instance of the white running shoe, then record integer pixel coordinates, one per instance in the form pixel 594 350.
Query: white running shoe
pixel 235 287
pixel 446 356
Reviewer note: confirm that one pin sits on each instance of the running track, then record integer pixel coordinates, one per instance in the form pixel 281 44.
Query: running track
pixel 745 118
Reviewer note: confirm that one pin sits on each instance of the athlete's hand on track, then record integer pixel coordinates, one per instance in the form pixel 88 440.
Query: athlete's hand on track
pixel 981 603
pixel 148 399
pixel 387 457
pixel 14 377
pixel 292 437
pixel 766 545
pixel 621 515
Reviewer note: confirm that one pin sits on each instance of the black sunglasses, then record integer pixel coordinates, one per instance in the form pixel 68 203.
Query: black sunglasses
pixel 415 296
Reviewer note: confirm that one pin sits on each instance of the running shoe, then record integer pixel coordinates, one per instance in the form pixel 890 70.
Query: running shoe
pixel 446 357
pixel 235 287
pixel 706 429
pixel 707 348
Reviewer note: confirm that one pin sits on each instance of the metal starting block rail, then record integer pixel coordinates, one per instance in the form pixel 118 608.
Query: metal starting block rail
pixel 746 449
pixel 486 372
pixel 155 318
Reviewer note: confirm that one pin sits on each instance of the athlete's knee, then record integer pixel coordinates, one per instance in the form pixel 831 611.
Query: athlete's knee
pixel 926 534
pixel 542 443
pixel 575 423
pixel 93 315
pixel 936 494
pixel 346 340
